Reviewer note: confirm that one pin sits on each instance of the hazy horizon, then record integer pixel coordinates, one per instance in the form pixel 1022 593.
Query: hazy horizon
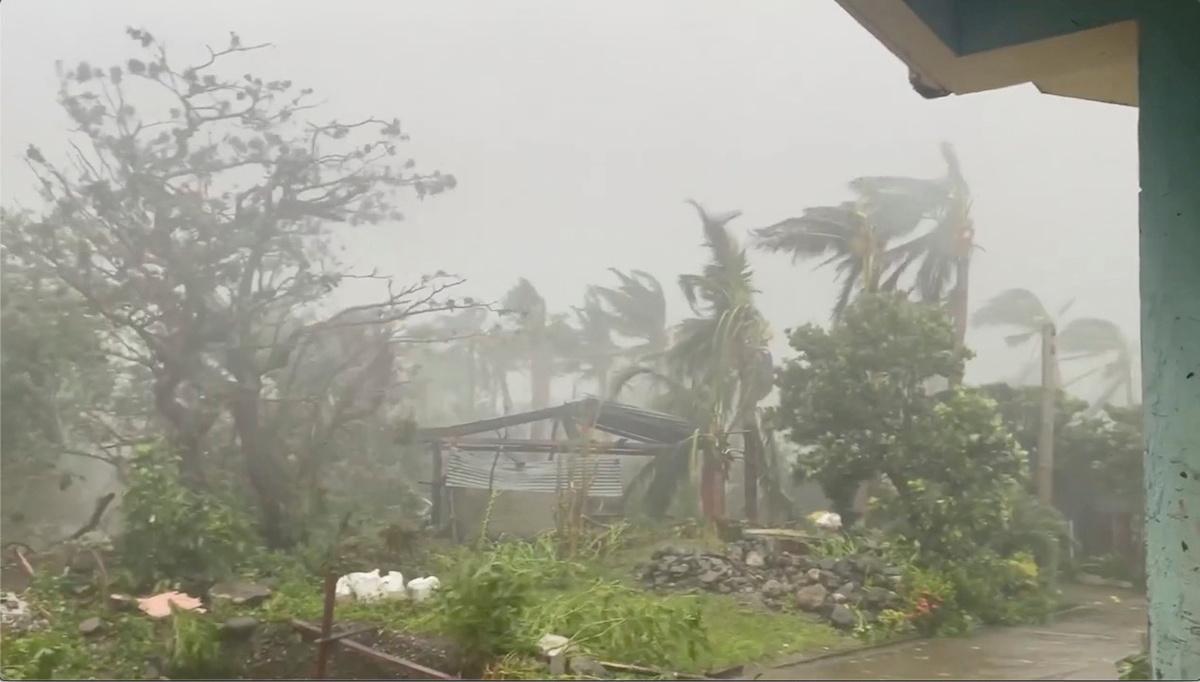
pixel 577 130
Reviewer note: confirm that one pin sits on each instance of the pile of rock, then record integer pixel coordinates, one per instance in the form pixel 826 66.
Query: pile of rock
pixel 832 588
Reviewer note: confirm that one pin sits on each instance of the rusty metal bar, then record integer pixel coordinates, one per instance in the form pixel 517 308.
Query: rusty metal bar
pixel 375 654
pixel 348 633
pixel 324 643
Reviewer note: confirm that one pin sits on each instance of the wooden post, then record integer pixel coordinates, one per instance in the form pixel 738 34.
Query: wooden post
pixel 752 462
pixel 437 482
pixel 1045 461
pixel 326 643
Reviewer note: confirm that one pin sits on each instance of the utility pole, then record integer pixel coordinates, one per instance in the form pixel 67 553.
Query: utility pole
pixel 1045 452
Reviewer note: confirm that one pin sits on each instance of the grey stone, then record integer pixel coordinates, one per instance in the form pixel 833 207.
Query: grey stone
pixel 826 564
pixel 585 665
pixel 91 626
pixel 755 559
pixel 892 571
pixel 877 597
pixel 772 588
pixel 558 666
pixel 837 598
pixel 842 616
pixel 240 593
pixel 869 565
pixel 724 588
pixel 848 588
pixel 844 568
pixel 813 575
pixel 811 598
pixel 239 627
pixel 830 579
pixel 680 568
pixel 709 577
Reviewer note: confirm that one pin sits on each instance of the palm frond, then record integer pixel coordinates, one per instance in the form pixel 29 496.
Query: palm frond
pixel 1092 335
pixel 1015 308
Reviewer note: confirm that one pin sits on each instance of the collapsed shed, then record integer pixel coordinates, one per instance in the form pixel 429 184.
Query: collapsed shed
pixel 592 444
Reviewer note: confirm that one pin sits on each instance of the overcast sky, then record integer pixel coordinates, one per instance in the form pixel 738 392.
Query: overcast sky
pixel 576 130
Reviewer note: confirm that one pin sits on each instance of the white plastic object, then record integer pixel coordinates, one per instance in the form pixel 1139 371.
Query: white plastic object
pixel 421 589
pixel 342 591
pixel 552 645
pixel 365 586
pixel 827 520
pixel 392 586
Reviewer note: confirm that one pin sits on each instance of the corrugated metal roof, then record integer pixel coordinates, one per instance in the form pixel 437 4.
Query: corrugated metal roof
pixel 464 470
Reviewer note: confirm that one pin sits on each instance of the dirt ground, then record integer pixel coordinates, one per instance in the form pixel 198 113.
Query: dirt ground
pixel 278 652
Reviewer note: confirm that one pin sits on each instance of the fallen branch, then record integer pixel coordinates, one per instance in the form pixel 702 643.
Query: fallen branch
pixel 94 521
pixel 25 565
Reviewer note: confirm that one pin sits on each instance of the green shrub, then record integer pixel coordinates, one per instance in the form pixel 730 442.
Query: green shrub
pixel 194 651
pixel 172 532
pixel 481 609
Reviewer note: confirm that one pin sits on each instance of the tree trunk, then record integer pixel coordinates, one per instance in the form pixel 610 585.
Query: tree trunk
pixel 1045 459
pixel 959 308
pixel 262 469
pixel 753 462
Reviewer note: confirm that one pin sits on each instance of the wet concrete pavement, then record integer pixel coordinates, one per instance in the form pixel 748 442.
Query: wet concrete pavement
pixel 1081 644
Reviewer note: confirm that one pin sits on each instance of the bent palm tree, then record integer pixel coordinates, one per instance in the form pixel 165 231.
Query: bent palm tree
pixel 716 370
pixel 1021 308
pixel 636 309
pixel 943 253
pixel 591 345
pixel 845 234
pixel 1093 338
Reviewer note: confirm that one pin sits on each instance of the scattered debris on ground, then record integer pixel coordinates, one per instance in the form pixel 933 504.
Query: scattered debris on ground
pixel 17 616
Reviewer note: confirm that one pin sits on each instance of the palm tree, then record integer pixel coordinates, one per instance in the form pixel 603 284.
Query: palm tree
pixel 716 370
pixel 860 237
pixel 636 309
pixel 943 253
pixel 546 338
pixel 1022 309
pixel 592 349
pixel 845 235
pixel 1092 338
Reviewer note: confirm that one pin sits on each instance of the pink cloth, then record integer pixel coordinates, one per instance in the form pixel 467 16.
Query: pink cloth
pixel 159 606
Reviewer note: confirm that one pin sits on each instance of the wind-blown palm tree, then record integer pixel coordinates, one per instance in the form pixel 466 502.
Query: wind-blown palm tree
pixel 1091 338
pixel 591 348
pixel 862 238
pixel 1082 338
pixel 1022 308
pixel 942 253
pixel 636 309
pixel 716 369
pixel 845 235
pixel 546 338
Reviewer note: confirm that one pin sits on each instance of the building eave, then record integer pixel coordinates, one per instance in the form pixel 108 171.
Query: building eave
pixel 1096 64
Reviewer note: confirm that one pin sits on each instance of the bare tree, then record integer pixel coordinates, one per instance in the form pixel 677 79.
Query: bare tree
pixel 199 227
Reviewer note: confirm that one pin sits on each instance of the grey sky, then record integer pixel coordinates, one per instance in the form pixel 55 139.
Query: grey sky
pixel 576 129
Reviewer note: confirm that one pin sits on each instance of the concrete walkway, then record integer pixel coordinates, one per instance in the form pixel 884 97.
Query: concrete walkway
pixel 1081 644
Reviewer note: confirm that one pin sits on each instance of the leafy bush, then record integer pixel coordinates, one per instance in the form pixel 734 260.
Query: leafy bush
pixel 194 651
pixel 481 609
pixel 172 532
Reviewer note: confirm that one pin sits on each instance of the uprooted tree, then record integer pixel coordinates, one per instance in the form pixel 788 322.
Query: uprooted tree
pixel 195 216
